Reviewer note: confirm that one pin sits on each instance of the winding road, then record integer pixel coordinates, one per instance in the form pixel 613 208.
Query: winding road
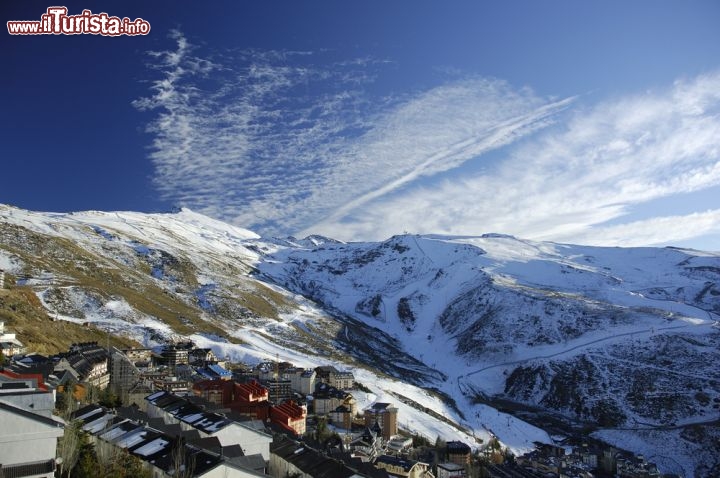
pixel 581 346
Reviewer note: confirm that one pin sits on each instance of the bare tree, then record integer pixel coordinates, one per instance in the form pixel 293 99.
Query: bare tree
pixel 183 460
pixel 69 447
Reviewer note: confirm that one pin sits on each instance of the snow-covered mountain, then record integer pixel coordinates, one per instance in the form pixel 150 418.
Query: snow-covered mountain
pixel 616 338
pixel 622 341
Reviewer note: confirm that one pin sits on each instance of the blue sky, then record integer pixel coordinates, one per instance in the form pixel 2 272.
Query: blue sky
pixel 584 122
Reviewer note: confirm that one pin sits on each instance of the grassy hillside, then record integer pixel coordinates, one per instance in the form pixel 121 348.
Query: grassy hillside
pixel 115 270
pixel 23 314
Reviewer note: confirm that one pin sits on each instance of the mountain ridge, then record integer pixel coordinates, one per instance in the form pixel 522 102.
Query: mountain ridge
pixel 561 326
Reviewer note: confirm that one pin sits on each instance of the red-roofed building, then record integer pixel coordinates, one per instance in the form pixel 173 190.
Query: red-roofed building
pixel 27 391
pixel 31 380
pixel 249 399
pixel 251 392
pixel 289 416
pixel 214 391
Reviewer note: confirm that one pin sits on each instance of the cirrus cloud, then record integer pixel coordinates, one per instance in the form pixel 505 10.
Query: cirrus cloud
pixel 286 142
pixel 278 141
pixel 567 183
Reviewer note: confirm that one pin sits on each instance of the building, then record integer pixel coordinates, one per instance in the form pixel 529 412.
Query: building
pixel 367 446
pixel 290 417
pixel 88 363
pixel 136 395
pixel 218 392
pixel 172 384
pixel 342 417
pixel 9 344
pixel 403 468
pixel 450 470
pixel 335 378
pixel 636 467
pixel 458 452
pixel 327 399
pixel 141 358
pixel 218 372
pixel 385 415
pixel 343 380
pixel 176 354
pixel 249 399
pixel 325 372
pixel 202 357
pixel 27 391
pixel 399 444
pixel 124 375
pixel 28 442
pixel 586 456
pixel 178 410
pixel 163 449
pixel 251 391
pixel 291 458
pixel 279 389
pixel 303 381
pixel 275 370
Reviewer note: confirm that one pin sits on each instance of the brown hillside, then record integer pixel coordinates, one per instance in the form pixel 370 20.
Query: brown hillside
pixel 23 314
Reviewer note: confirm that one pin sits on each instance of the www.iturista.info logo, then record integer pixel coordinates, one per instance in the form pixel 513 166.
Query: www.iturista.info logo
pixel 56 21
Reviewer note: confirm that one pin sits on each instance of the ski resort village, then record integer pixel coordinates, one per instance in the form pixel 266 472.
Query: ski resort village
pixel 179 410
pixel 360 239
pixel 173 344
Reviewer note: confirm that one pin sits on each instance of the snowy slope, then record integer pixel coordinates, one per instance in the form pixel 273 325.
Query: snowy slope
pixel 624 338
pixel 434 289
pixel 159 277
pixel 617 337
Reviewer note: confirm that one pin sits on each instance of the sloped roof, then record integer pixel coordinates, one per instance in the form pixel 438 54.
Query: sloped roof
pixel 395 461
pixel 311 461
pixel 457 447
pixel 32 416
pixel 217 369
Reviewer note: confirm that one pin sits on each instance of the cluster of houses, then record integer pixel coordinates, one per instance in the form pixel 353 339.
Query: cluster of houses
pixel 184 407
pixel 588 461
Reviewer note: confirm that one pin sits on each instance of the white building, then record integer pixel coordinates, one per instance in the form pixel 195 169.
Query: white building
pixel 28 442
pixel 9 344
pixel 303 381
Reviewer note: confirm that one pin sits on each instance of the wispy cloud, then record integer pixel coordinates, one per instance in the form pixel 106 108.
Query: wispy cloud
pixel 656 230
pixel 284 142
pixel 566 182
pixel 278 141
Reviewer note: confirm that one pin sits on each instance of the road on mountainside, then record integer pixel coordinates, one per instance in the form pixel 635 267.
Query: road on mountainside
pixel 577 347
pixel 650 426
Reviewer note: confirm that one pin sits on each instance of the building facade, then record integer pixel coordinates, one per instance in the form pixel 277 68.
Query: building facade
pixel 303 381
pixel 124 375
pixel 28 442
pixel 385 415
pixel 88 363
pixel 458 452
pixel 9 344
pixel 290 416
